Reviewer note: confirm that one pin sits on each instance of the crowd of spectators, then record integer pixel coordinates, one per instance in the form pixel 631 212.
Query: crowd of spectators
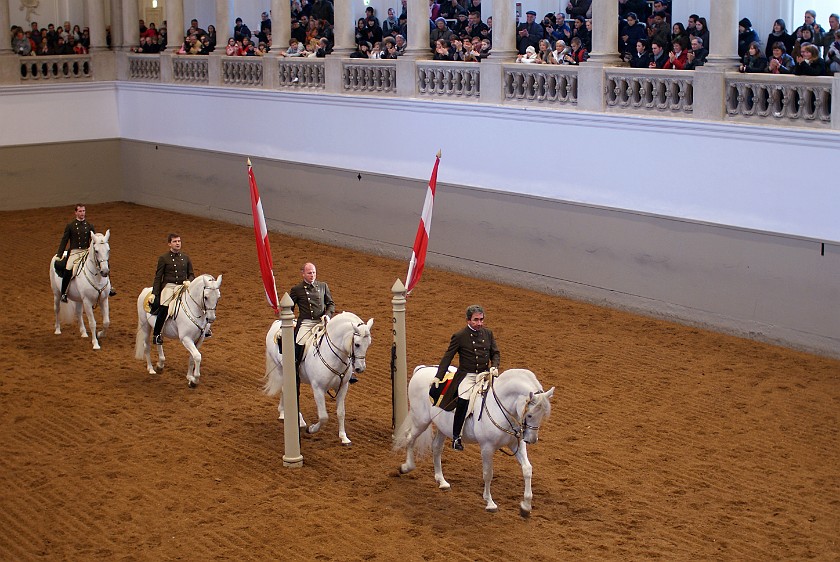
pixel 647 37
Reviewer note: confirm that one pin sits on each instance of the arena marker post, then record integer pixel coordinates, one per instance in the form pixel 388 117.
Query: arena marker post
pixel 291 432
pixel 400 376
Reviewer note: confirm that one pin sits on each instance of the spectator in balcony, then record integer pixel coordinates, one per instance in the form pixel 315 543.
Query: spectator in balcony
pixel 197 30
pixel 151 31
pixel 78 48
pixel 560 51
pixel 475 27
pixel 661 8
pixel 389 49
pixel 460 25
pixel 659 54
pixel 474 6
pixel 832 58
pixel 779 33
pixel 810 21
pixel 361 31
pixel 373 32
pixel 434 10
pixel 635 7
pixel 561 29
pixel 529 57
pixel 232 49
pixel 829 35
pixel 76 33
pixel 52 34
pixel 754 60
pixel 20 44
pixel 85 38
pixel 809 62
pixel 376 51
pixel 678 33
pixel 211 35
pixel 578 54
pixel 677 58
pixel 323 10
pixel 61 47
pixel 780 62
pixel 361 52
pixel 297 10
pixel 631 32
pixel 529 33
pixel 441 51
pixel 456 49
pixel 806 36
pixel 471 54
pixel 702 31
pixel 399 41
pixel 64 31
pixel 323 49
pixel 579 8
pixel 659 30
pixel 579 30
pixel 312 31
pixel 746 37
pixel 391 25
pixel 486 46
pixel 696 56
pixel 403 26
pixel 240 30
pixel 587 38
pixel 297 31
pixel 439 32
pixel 641 57
pixel 206 47
pixel 543 52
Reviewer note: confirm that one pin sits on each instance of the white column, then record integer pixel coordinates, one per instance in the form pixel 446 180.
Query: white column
pixel 5 25
pixel 130 24
pixel 224 27
pixel 291 432
pixel 175 26
pixel 604 33
pixel 504 32
pixel 281 27
pixel 399 391
pixel 96 21
pixel 723 32
pixel 117 34
pixel 418 30
pixel 344 29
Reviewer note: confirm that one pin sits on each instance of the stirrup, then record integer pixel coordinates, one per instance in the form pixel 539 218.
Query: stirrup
pixel 157 340
pixel 64 297
pixel 457 445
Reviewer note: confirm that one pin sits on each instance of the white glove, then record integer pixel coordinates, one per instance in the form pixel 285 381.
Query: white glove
pixel 494 372
pixel 186 282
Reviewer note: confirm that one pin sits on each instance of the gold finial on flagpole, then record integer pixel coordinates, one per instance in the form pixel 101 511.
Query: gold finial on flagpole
pixel 438 154
pixel 249 162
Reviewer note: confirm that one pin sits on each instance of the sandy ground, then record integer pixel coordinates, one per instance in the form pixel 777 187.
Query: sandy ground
pixel 665 441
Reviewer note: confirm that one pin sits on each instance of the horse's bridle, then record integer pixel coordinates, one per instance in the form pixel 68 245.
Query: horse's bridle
pixel 347 364
pixel 201 306
pixel 517 430
pixel 98 271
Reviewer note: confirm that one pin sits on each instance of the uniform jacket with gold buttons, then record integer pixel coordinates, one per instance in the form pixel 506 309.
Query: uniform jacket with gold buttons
pixel 313 300
pixel 477 352
pixel 77 233
pixel 172 268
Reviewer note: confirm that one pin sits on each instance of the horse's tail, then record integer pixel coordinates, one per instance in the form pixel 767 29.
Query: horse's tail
pixel 422 443
pixel 273 363
pixel 142 327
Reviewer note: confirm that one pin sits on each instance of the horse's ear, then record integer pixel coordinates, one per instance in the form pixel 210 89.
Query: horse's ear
pixel 549 393
pixel 219 280
pixel 107 234
pixel 370 323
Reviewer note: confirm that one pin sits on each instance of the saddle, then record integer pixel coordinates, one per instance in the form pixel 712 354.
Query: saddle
pixel 444 393
pixel 306 339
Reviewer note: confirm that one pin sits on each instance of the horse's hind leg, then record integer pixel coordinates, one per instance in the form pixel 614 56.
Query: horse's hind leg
pixel 80 320
pixel 487 471
pixel 339 412
pixel 57 307
pixel 527 471
pixel 437 452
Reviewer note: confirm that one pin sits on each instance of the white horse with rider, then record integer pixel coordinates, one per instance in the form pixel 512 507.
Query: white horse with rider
pixel 336 349
pixel 508 412
pixel 192 310
pixel 88 289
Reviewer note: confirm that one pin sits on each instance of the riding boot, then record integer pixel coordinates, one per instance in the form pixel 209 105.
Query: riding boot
pixel 162 313
pixel 460 415
pixel 66 276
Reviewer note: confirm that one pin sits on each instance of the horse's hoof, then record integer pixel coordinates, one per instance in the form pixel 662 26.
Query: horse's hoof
pixel 152 372
pixel 524 512
pixel 444 486
pixel 347 443
pixel 491 508
pixel 191 384
pixel 96 347
pixel 84 335
pixel 404 469
pixel 57 332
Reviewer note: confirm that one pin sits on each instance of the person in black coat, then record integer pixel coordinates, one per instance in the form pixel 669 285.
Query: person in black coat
pixel 809 63
pixel 746 36
pixel 779 33
pixel 641 58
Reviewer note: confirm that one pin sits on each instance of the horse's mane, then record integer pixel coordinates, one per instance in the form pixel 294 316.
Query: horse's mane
pixel 523 376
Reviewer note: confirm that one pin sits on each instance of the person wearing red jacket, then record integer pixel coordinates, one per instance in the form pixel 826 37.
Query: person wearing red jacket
pixel 677 58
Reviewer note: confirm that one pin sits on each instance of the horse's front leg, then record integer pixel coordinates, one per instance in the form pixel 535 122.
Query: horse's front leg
pixel 527 471
pixel 339 412
pixel 106 314
pixel 79 319
pixel 88 306
pixel 487 471
pixel 194 370
pixel 57 307
pixel 437 452
pixel 321 405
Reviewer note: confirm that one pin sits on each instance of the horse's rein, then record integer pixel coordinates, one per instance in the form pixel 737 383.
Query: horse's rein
pixel 517 432
pixel 98 271
pixel 351 355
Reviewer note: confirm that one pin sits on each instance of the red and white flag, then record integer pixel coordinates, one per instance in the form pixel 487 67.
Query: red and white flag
pixel 263 249
pixel 421 241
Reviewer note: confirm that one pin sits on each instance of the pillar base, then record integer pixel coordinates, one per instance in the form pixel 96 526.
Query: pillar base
pixel 591 87
pixel 709 93
pixel 10 68
pixel 293 462
pixel 417 54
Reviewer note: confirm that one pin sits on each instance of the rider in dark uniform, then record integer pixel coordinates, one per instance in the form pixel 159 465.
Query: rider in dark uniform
pixel 477 353
pixel 77 234
pixel 173 269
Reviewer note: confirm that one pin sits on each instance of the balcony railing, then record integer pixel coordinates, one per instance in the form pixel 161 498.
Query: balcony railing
pixel 775 100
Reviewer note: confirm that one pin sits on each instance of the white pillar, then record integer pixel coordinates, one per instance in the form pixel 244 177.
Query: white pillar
pixel 130 24
pixel 723 31
pixel 281 27
pixel 5 25
pixel 400 375
pixel 504 32
pixel 343 30
pixel 604 33
pixel 224 27
pixel 418 30
pixel 175 26
pixel 117 35
pixel 96 21
pixel 291 432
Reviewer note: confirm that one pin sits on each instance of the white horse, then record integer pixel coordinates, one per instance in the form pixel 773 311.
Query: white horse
pixel 325 366
pixel 88 289
pixel 509 415
pixel 194 310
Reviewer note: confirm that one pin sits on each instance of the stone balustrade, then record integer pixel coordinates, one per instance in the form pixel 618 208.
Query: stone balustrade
pixel 632 90
pixel 800 101
pixel 55 68
pixel 776 100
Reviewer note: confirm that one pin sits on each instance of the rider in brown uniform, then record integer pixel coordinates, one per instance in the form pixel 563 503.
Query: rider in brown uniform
pixel 77 234
pixel 477 353
pixel 173 269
